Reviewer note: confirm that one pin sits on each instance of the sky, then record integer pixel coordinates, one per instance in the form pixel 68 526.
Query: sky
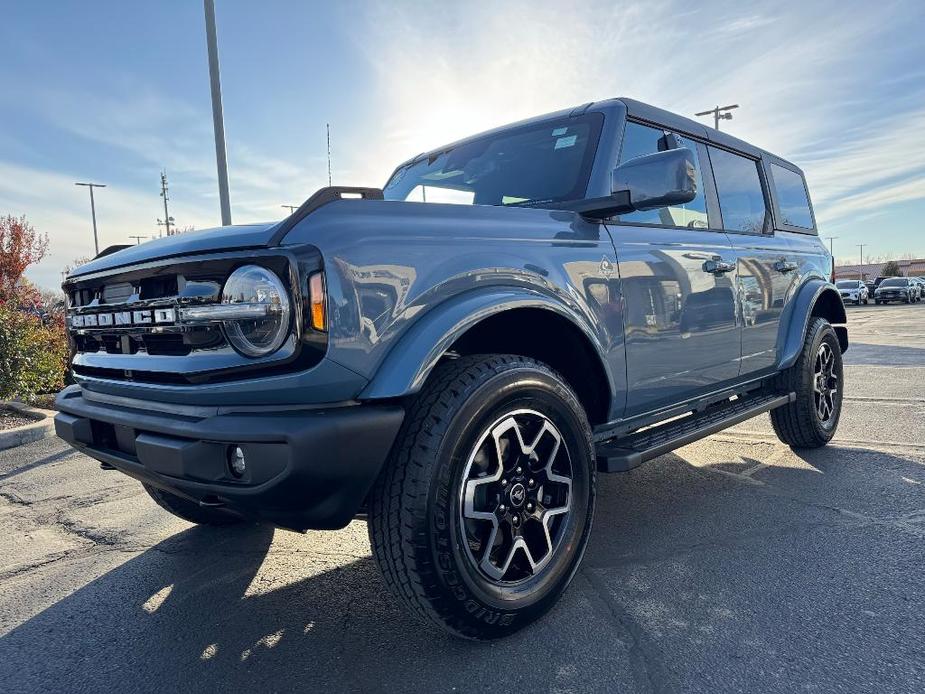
pixel 115 92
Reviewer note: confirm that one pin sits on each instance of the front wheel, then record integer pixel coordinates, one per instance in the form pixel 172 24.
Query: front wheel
pixel 481 516
pixel 817 380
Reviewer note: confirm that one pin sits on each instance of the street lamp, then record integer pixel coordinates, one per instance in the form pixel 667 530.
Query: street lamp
pixel 91 186
pixel 719 113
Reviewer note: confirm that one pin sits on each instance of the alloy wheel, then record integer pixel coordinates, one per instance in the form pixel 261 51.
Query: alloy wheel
pixel 515 496
pixel 825 383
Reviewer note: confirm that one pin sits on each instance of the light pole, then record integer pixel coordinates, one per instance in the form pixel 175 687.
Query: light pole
pixel 291 208
pixel 218 122
pixel 719 113
pixel 91 186
pixel 137 238
pixel 831 246
pixel 861 266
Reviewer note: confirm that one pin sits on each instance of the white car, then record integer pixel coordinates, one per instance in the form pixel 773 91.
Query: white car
pixel 854 291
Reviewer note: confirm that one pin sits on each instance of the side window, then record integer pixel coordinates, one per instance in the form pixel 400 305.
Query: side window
pixel 791 197
pixel 738 186
pixel 642 139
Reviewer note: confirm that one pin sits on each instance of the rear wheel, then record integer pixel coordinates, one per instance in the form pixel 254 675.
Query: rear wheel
pixel 816 378
pixel 189 510
pixel 481 516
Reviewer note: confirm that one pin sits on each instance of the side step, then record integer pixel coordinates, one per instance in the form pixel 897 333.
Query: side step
pixel 627 452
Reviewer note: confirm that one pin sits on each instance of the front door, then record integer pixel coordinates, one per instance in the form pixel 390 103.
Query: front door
pixel 678 280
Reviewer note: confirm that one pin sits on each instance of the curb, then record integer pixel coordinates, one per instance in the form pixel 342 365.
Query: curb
pixel 27 433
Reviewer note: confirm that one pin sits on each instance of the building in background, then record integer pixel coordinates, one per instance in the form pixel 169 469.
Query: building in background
pixel 870 271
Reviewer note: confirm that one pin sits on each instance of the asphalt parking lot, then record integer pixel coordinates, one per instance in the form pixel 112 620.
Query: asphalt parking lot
pixel 734 564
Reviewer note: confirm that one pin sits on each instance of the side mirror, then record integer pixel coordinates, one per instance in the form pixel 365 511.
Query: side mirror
pixel 658 180
pixel 648 182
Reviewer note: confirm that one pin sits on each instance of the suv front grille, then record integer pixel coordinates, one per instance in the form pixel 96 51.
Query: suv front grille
pixel 127 325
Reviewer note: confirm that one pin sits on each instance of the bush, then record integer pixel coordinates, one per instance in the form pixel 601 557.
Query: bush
pixel 33 355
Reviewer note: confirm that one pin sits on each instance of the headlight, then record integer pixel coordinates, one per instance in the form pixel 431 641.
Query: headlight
pixel 260 305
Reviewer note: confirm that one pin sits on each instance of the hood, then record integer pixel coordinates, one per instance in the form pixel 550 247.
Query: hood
pixel 219 239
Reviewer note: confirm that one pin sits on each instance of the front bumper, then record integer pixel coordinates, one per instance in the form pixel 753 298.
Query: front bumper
pixel 305 468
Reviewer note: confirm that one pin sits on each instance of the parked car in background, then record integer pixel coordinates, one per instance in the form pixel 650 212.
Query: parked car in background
pixel 919 282
pixel 871 288
pixel 854 291
pixel 896 289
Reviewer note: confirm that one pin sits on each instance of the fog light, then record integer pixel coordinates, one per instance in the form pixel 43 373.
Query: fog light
pixel 236 461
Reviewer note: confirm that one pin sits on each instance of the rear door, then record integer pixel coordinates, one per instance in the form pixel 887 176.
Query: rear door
pixel 767 267
pixel 678 283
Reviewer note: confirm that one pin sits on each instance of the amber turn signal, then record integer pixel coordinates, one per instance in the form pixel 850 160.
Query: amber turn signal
pixel 316 300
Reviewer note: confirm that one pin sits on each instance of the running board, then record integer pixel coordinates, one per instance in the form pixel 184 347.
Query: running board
pixel 627 452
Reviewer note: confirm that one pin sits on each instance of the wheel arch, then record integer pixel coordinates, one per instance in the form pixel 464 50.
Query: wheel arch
pixel 508 322
pixel 816 298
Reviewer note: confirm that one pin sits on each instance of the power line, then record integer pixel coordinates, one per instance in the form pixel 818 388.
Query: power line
pixel 91 186
pixel 168 220
pixel 719 113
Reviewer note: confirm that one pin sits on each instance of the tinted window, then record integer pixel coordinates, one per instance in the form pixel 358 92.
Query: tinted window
pixel 894 283
pixel 846 284
pixel 791 197
pixel 531 166
pixel 738 186
pixel 640 140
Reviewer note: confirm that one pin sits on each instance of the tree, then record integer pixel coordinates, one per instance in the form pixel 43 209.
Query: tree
pixel 20 247
pixel 76 263
pixel 891 269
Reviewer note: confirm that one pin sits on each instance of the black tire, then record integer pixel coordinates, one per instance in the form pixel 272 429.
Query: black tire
pixel 190 511
pixel 433 555
pixel 804 423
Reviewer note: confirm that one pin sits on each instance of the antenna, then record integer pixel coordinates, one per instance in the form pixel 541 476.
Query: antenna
pixel 328 127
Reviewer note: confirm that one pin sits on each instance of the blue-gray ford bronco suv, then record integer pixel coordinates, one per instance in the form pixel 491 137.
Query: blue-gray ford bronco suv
pixel 455 356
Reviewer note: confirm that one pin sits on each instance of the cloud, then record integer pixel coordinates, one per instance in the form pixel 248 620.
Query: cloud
pixel 838 89
pixel 804 79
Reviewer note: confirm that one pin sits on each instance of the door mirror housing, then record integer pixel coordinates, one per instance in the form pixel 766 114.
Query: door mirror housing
pixel 661 179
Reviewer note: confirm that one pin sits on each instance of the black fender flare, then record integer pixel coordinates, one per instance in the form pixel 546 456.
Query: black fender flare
pixel 410 361
pixel 795 321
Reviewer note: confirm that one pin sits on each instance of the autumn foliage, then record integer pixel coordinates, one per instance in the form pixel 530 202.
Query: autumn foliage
pixel 20 246
pixel 33 345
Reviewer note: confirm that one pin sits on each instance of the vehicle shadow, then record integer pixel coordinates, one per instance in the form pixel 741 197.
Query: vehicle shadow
pixel 204 610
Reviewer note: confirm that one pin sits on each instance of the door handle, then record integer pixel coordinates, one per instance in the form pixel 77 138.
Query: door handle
pixel 785 266
pixel 718 267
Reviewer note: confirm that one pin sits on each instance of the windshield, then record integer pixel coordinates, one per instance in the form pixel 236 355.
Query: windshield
pixel 533 165
pixel 847 284
pixel 894 283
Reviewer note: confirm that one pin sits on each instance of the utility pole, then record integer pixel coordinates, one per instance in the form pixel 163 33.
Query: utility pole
pixel 831 246
pixel 218 122
pixel 291 208
pixel 328 127
pixel 168 220
pixel 719 113
pixel 91 186
pixel 861 266
pixel 137 238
